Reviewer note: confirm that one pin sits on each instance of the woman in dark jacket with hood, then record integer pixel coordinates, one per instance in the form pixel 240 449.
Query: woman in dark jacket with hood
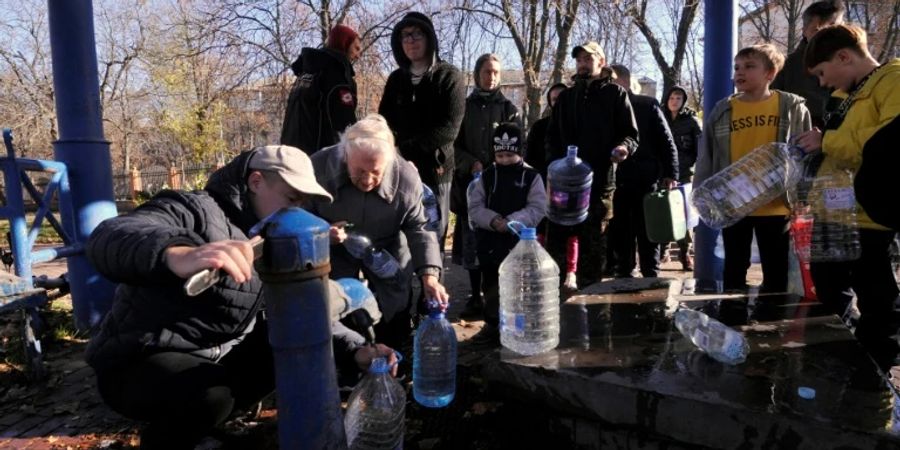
pixel 423 102
pixel 686 128
pixel 323 99
pixel 486 107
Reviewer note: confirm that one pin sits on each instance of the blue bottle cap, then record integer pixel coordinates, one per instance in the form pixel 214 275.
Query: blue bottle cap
pixel 528 234
pixel 435 310
pixel 807 393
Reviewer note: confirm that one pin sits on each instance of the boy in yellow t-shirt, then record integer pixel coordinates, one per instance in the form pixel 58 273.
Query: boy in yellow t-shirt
pixel 755 116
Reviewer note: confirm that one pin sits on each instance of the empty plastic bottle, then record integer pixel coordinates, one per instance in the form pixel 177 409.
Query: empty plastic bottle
pixel 529 297
pixel 835 230
pixel 432 212
pixel 717 340
pixel 357 245
pixel 469 189
pixel 761 176
pixel 376 410
pixel 434 359
pixel 569 189
pixel 382 263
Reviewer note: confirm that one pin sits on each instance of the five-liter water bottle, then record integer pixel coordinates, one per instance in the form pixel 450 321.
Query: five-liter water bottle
pixel 569 189
pixel 434 359
pixel 469 189
pixel 529 297
pixel 432 212
pixel 376 410
pixel 717 340
pixel 761 176
pixel 835 230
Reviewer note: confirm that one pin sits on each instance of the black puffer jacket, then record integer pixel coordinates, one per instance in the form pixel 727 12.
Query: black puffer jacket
pixel 686 130
pixel 426 117
pixel 150 311
pixel 595 115
pixel 322 102
pixel 657 156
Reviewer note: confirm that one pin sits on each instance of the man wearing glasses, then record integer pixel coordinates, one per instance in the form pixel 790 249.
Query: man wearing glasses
pixel 424 102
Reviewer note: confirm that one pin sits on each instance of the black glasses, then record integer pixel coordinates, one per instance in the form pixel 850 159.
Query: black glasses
pixel 412 36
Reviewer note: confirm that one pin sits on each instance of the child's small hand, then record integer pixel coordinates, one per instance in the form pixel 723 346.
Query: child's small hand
pixel 810 141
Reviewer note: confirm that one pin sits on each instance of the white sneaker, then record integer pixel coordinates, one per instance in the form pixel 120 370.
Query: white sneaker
pixel 570 282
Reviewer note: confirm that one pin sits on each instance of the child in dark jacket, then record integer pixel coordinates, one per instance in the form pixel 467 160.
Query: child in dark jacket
pixel 510 190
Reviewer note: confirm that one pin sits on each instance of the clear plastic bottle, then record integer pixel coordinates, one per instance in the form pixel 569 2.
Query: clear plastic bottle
pixel 569 189
pixel 761 176
pixel 434 360
pixel 382 263
pixel 529 297
pixel 717 340
pixel 432 212
pixel 357 245
pixel 376 410
pixel 472 184
pixel 835 230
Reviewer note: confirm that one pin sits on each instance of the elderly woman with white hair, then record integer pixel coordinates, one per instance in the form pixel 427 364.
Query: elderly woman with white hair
pixel 379 192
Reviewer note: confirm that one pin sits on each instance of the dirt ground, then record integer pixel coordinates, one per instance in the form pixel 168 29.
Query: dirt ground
pixel 64 411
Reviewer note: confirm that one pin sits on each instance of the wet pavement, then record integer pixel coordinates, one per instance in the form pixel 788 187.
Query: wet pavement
pixel 621 364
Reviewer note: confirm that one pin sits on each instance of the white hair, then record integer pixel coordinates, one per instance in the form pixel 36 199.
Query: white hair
pixel 371 136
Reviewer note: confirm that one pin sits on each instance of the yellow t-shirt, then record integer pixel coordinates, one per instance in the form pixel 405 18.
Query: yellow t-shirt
pixel 754 124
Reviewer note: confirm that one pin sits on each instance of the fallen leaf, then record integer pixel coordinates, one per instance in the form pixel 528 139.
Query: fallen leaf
pixel 52 439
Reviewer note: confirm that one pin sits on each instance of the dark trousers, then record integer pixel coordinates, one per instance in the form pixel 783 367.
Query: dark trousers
pixel 628 228
pixel 490 284
pixel 183 396
pixel 872 278
pixel 772 240
pixel 591 241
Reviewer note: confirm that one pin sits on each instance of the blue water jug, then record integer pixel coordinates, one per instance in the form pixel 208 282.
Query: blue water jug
pixel 434 359
pixel 569 189
pixel 432 212
pixel 529 296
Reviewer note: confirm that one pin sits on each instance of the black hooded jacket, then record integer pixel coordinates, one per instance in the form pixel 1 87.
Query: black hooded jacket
pixel 426 117
pixel 686 131
pixel 150 311
pixel 322 102
pixel 596 115
pixel 656 156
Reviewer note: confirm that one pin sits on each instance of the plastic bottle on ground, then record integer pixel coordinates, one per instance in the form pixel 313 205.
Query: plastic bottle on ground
pixel 717 340
pixel 376 410
pixel 529 297
pixel 434 359
pixel 569 182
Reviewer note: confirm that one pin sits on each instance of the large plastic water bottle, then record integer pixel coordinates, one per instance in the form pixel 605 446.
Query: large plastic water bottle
pixel 569 189
pixel 835 230
pixel 529 297
pixel 376 410
pixel 432 212
pixel 357 245
pixel 761 176
pixel 717 340
pixel 469 189
pixel 434 360
pixel 382 263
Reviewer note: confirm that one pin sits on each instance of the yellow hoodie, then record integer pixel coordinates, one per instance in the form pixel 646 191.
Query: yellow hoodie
pixel 876 104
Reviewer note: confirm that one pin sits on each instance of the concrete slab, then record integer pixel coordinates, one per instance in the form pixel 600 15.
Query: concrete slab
pixel 622 364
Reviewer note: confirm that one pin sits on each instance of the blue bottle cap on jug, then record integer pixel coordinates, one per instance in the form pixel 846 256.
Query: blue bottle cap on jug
pixel 528 234
pixel 806 392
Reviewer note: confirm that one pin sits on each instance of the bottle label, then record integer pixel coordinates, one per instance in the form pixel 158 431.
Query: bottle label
pixel 839 198
pixel 570 201
pixel 512 322
pixel 701 339
pixel 733 347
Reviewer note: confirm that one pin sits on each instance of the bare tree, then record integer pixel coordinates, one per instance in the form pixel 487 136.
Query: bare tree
pixel 671 72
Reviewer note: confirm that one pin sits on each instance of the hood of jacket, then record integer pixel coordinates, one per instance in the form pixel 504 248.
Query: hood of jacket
pixel 313 60
pixel 228 186
pixel 422 21
pixel 665 100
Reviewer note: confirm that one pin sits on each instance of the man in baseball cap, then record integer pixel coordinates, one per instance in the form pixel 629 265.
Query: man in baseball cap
pixel 184 364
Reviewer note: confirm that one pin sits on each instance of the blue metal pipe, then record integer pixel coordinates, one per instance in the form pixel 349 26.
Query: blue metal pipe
pixel 294 269
pixel 82 147
pixel 719 48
